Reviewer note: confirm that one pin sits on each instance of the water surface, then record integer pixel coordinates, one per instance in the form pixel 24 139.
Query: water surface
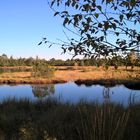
pixel 69 92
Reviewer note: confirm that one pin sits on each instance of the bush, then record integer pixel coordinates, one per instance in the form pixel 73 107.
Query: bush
pixel 42 70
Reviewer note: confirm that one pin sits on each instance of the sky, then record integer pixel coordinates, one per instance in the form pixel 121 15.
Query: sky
pixel 23 24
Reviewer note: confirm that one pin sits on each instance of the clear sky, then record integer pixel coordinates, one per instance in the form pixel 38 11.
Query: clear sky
pixel 23 23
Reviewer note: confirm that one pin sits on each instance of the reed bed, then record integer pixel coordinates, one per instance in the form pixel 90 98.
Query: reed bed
pixel 52 120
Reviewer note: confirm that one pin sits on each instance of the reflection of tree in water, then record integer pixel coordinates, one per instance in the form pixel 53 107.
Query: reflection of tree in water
pixel 106 94
pixel 41 91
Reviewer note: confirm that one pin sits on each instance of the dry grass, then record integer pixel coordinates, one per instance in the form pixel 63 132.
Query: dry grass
pixel 16 75
pixel 64 74
pixel 94 73
pixel 15 67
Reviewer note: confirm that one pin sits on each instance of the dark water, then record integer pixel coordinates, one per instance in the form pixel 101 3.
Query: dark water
pixel 70 92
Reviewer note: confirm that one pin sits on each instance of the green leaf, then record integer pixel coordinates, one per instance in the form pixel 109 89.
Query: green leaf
pixel 76 19
pixel 128 15
pixel 99 7
pixel 111 18
pixel 108 1
pixel 56 13
pixel 133 2
pixel 106 25
pixel 100 25
pixel 101 38
pixel 125 3
pixel 88 36
pixel 73 3
pixel 86 7
pixel 88 20
pixel 52 3
pixel 65 12
pixel 96 15
pixel 69 21
pixel 116 21
pixel 65 21
pixel 76 6
pixel 50 45
pixel 117 33
pixel 80 17
pixel 70 48
pixel 93 31
pixel 39 43
pixel 82 32
pixel 138 38
pixel 121 18
pixel 135 21
pixel 86 28
pixel 114 26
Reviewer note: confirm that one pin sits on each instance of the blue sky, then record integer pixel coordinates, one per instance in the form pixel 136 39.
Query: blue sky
pixel 23 23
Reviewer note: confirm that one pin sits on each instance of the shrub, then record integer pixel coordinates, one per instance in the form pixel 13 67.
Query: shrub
pixel 42 70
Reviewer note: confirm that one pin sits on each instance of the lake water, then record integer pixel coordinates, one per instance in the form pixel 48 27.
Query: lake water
pixel 70 92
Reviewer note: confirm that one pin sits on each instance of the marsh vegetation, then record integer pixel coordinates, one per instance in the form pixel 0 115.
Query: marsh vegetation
pixel 52 120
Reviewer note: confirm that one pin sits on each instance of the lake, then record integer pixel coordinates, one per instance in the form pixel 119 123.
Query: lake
pixel 70 92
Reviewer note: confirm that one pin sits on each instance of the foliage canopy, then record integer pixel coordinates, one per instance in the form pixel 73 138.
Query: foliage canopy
pixel 103 27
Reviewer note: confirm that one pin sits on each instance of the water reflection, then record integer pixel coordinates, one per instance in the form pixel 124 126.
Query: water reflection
pixel 90 84
pixel 106 94
pixel 69 92
pixel 41 91
pixel 133 86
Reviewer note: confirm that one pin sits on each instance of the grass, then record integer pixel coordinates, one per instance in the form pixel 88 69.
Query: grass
pixel 65 74
pixel 52 120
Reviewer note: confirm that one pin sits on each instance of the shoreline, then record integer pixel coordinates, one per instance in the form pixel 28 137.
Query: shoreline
pixel 132 84
pixel 12 81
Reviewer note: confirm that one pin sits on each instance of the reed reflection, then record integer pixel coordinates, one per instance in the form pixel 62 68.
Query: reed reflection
pixel 106 94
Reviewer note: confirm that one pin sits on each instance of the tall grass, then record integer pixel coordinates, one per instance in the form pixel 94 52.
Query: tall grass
pixel 52 120
pixel 106 122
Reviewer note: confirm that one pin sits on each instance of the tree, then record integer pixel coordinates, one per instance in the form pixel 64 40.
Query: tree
pixel 4 56
pixel 116 61
pixel 3 60
pixel 96 21
pixel 11 61
pixel 29 61
pixel 42 69
pixel 132 59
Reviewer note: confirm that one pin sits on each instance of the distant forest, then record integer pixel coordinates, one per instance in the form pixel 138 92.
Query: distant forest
pixel 130 60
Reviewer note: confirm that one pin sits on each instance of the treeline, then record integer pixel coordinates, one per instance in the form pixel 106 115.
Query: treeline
pixel 130 60
pixel 10 61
